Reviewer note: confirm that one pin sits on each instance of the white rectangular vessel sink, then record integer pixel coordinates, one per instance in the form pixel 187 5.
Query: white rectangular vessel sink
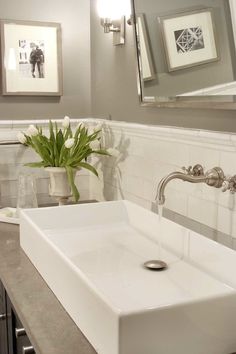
pixel 92 255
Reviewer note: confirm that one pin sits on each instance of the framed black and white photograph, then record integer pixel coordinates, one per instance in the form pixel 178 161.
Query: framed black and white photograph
pixel 31 58
pixel 189 39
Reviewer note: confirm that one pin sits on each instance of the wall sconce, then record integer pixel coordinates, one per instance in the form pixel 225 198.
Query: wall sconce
pixel 112 19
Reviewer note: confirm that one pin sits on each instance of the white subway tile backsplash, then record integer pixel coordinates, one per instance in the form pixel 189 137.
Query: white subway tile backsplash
pixel 206 157
pixel 185 187
pixel 131 165
pixel 228 162
pixel 227 200
pixel 210 194
pixel 138 200
pixel 82 181
pixel 9 188
pixel 234 225
pixel 8 154
pixel 144 168
pixel 225 221
pixel 176 201
pixel 132 184
pixel 156 151
pixel 45 199
pixel 147 154
pixel 161 169
pixel 9 201
pixel 42 185
pixel 135 146
pixel 10 171
pixel 151 152
pixel 203 212
pixel 149 190
pixel 233 139
pixel 25 155
pixel 164 151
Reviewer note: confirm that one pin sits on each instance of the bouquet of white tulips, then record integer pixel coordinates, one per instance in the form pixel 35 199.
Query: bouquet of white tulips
pixel 63 148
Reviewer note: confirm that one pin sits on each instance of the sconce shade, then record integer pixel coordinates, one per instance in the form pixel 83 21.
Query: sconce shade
pixel 113 9
pixel 112 17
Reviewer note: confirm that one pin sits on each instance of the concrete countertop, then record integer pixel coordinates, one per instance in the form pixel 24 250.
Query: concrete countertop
pixel 49 327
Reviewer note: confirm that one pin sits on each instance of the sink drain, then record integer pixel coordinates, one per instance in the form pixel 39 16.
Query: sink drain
pixel 155 265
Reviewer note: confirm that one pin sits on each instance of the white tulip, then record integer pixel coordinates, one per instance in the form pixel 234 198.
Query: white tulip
pixel 98 127
pixel 21 137
pixel 95 145
pixel 32 130
pixel 66 122
pixel 69 143
pixel 113 152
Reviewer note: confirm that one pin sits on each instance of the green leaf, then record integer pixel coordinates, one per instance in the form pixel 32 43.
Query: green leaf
pixel 71 181
pixel 40 148
pixel 56 155
pixel 52 136
pixel 59 140
pixel 88 167
pixel 101 152
pixel 78 132
pixel 68 133
pixel 56 128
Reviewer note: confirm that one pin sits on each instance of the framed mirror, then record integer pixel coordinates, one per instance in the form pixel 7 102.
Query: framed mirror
pixel 186 52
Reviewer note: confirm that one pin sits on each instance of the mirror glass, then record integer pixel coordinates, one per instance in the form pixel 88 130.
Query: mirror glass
pixel 185 51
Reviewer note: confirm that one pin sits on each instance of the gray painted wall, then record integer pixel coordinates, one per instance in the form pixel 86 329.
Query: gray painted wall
pixel 114 90
pixel 74 17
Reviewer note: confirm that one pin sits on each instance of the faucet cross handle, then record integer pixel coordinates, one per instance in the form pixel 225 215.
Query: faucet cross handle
pixel 187 170
pixel 229 184
pixel 196 170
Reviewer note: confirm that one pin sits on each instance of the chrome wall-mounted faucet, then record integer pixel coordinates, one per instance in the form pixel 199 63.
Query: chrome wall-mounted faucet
pixel 214 178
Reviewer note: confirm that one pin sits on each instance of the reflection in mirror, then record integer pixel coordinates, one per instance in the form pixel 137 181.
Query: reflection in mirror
pixel 185 51
pixel 148 72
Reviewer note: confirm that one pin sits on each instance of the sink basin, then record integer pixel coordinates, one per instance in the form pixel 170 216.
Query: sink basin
pixel 92 255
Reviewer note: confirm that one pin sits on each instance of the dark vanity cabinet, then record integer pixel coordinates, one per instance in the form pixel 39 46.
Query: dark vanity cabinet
pixel 13 337
pixel 3 321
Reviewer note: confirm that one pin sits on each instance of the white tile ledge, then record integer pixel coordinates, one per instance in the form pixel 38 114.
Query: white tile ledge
pixel 24 123
pixel 9 129
pixel 211 139
pixel 198 137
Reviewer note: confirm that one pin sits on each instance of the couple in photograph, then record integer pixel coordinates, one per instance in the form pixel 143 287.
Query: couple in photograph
pixel 37 61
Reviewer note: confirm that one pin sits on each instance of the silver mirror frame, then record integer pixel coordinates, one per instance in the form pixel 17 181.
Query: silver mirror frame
pixel 206 102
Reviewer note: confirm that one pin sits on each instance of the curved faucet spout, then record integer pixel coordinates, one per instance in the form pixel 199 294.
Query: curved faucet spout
pixel 214 178
pixel 160 197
